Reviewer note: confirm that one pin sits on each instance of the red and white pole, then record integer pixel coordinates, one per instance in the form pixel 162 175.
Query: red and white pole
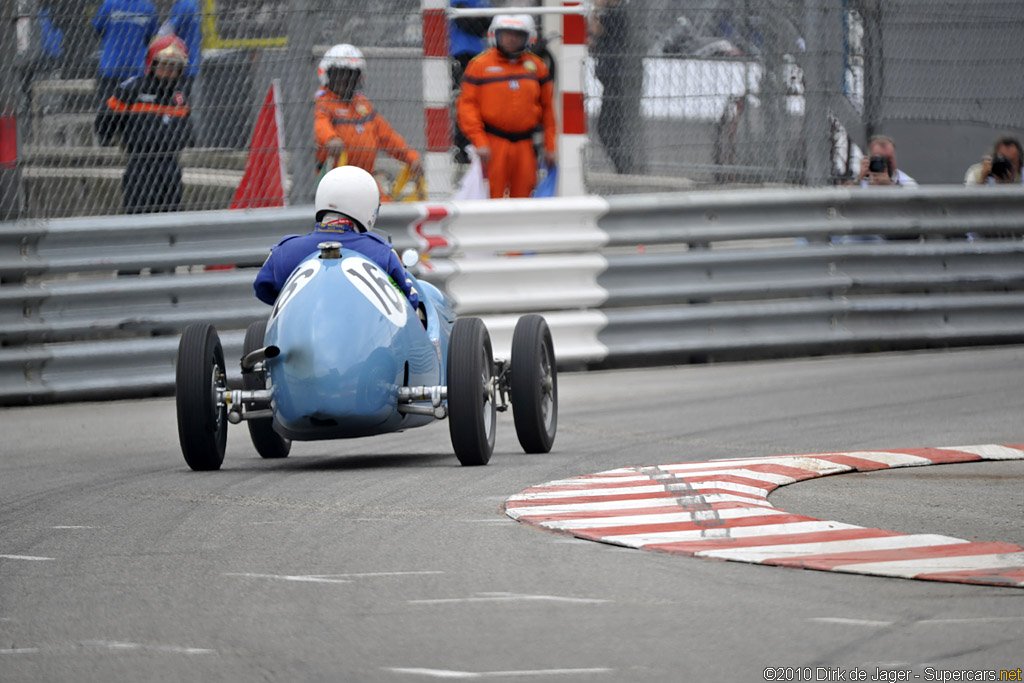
pixel 572 133
pixel 438 163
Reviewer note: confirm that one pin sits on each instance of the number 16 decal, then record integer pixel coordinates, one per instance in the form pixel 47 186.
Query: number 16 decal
pixel 373 283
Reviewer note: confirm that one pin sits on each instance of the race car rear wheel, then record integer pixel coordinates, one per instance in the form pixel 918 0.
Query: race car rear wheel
pixel 472 413
pixel 202 416
pixel 267 442
pixel 533 384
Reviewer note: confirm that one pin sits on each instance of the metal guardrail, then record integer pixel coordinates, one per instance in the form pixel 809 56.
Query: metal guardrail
pixel 92 308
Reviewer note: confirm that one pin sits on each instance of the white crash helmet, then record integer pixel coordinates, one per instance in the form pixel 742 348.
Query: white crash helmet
pixel 350 191
pixel 512 22
pixel 341 56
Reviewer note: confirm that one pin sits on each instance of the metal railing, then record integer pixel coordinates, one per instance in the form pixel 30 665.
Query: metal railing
pixel 92 308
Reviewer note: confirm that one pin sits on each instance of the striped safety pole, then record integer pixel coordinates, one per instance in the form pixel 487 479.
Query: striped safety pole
pixel 572 134
pixel 438 163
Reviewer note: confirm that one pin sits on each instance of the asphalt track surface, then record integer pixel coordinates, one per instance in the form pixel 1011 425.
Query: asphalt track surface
pixel 382 559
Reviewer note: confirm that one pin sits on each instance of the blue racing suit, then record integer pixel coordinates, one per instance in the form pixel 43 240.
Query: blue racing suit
pixel 292 250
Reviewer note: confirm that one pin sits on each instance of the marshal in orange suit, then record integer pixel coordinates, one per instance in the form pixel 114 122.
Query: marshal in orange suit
pixel 505 96
pixel 344 120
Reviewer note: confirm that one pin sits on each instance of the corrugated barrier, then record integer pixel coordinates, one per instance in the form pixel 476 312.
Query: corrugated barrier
pixel 92 308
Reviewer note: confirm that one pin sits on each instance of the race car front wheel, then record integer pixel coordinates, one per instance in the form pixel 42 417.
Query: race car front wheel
pixel 267 442
pixel 199 382
pixel 533 384
pixel 472 413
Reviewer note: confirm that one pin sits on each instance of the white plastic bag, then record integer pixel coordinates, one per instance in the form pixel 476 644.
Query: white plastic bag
pixel 473 185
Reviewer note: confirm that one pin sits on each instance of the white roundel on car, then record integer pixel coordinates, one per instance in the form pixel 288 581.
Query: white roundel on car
pixel 373 283
pixel 302 276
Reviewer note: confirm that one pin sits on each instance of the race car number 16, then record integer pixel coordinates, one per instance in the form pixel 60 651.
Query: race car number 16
pixel 373 283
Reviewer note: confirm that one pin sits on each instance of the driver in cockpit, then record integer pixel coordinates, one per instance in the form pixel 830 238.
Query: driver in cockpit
pixel 347 202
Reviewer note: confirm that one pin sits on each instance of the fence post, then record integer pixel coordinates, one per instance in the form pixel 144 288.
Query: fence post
pixel 816 141
pixel 299 102
pixel 874 68
pixel 11 197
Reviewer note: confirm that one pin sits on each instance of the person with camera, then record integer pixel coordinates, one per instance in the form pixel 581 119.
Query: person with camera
pixel 879 168
pixel 1002 167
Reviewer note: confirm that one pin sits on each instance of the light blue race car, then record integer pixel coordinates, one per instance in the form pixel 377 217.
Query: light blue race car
pixel 343 354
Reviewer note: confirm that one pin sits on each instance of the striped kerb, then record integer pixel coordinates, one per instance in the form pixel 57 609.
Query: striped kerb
pixel 720 509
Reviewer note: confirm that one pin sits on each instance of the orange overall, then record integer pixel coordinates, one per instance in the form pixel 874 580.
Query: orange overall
pixel 501 103
pixel 363 130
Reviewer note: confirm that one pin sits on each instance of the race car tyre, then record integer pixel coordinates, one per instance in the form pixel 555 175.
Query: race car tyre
pixel 268 443
pixel 533 384
pixel 472 413
pixel 202 418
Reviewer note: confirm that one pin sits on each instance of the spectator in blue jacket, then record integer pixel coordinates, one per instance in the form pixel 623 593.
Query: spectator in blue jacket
pixel 467 37
pixel 126 28
pixel 51 37
pixel 187 23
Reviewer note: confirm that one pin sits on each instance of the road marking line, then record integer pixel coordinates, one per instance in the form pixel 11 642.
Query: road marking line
pixel 851 622
pixel 327 578
pixel 485 521
pixel 509 597
pixel 72 527
pixel 121 645
pixel 719 509
pixel 19 651
pixel 967 620
pixel 286 577
pixel 25 557
pixel 376 574
pixel 917 622
pixel 446 673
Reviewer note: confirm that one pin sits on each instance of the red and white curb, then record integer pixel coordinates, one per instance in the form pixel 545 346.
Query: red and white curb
pixel 720 509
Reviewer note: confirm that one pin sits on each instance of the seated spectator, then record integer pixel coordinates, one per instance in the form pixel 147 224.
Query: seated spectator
pixel 1001 167
pixel 879 167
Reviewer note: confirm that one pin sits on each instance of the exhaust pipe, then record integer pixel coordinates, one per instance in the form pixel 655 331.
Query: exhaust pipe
pixel 250 359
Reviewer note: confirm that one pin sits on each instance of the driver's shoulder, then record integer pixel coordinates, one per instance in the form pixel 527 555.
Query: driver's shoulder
pixel 373 237
pixel 288 238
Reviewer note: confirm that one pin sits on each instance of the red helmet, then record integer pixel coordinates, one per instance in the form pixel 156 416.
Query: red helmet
pixel 168 50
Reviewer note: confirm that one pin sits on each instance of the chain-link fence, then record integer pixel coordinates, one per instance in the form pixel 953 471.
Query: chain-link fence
pixel 712 92
pixel 70 56
pixel 680 94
